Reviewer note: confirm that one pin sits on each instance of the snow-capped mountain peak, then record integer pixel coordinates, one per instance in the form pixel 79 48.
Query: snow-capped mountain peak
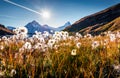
pixel 67 24
pixel 64 26
pixel 35 26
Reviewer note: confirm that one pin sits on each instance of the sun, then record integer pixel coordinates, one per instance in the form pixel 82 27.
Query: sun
pixel 45 14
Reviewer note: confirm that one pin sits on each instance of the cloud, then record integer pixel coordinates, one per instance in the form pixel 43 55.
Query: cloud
pixel 21 6
pixel 8 16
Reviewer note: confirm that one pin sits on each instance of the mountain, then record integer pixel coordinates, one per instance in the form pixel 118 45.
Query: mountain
pixel 95 21
pixel 5 31
pixel 35 26
pixel 48 27
pixel 63 27
pixel 111 26
pixel 11 27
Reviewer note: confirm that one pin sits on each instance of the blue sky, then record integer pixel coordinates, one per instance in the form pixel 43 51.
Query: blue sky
pixel 61 11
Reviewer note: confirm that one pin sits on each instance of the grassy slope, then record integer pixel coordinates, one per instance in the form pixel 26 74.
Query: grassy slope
pixel 111 26
pixel 114 25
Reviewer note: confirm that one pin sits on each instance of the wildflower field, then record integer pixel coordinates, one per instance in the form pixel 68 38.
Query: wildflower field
pixel 59 55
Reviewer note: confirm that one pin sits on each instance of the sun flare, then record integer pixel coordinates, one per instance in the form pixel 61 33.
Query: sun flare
pixel 46 14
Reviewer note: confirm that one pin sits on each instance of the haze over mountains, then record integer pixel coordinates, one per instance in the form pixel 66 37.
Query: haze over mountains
pixel 99 22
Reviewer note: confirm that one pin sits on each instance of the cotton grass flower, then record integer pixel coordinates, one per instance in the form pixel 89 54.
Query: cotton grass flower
pixel 46 34
pixel 20 30
pixel 38 46
pixel 116 69
pixel 21 49
pixel 78 45
pixel 13 72
pixel 66 34
pixel 73 52
pixel 56 47
pixel 1 47
pixel 38 33
pixel 21 33
pixel 88 36
pixel 16 55
pixel 16 31
pixel 4 38
pixel 27 45
pixel 112 37
pixel 71 37
pixel 45 48
pixel 35 36
pixel 78 35
pixel 51 42
pixel 2 74
pixel 95 44
pixel 42 40
pixel 23 30
pixel 118 35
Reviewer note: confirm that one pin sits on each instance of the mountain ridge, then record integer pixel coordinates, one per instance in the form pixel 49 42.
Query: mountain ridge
pixel 97 19
pixel 35 26
pixel 63 27
pixel 5 31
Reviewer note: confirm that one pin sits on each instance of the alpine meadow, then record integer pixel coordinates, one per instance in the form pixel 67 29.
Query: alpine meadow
pixel 55 44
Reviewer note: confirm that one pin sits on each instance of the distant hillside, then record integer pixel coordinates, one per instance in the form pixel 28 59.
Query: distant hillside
pixel 111 26
pixel 4 31
pixel 63 27
pixel 92 22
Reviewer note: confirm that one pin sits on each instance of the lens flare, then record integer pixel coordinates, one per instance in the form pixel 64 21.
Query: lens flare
pixel 45 14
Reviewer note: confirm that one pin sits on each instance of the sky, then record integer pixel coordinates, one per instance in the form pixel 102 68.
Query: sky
pixel 18 13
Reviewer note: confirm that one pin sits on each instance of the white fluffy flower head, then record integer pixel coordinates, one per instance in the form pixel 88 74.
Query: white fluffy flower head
pixel 95 44
pixel 27 45
pixel 73 52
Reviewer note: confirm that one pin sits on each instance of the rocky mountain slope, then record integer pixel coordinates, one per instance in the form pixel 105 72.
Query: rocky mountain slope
pixel 4 31
pixel 94 22
pixel 111 26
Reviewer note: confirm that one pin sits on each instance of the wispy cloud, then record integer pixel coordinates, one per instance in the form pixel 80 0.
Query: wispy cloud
pixel 8 16
pixel 21 6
